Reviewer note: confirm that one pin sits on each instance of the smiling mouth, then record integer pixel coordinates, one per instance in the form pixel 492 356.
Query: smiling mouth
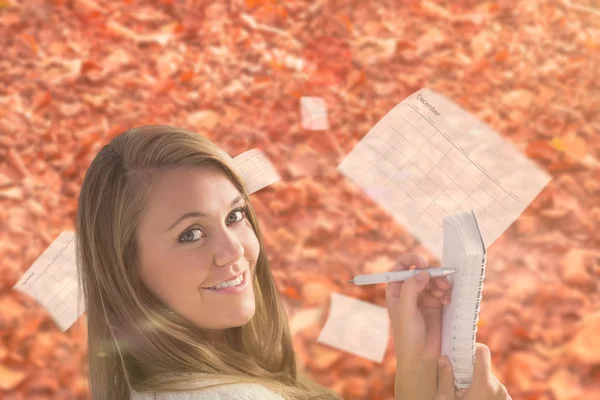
pixel 241 277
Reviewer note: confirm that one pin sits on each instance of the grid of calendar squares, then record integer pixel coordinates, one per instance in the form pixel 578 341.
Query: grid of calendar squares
pixel 426 177
pixel 254 165
pixel 56 287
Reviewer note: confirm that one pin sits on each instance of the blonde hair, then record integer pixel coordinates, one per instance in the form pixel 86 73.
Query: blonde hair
pixel 135 342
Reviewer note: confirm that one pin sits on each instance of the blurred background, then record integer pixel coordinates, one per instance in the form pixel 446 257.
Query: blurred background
pixel 75 73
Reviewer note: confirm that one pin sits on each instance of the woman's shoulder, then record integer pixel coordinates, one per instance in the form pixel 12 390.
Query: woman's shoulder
pixel 237 391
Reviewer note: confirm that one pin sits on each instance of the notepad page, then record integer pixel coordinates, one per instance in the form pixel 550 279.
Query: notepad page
pixel 462 249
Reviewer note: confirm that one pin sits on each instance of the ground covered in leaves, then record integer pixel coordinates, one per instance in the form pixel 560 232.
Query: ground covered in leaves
pixel 75 73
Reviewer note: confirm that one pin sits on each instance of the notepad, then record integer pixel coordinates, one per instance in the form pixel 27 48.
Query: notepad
pixel 53 278
pixel 463 249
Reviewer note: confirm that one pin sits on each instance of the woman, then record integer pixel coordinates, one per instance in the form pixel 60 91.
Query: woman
pixel 163 220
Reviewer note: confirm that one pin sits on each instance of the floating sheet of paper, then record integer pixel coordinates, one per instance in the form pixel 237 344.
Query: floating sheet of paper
pixel 53 281
pixel 357 327
pixel 313 112
pixel 53 278
pixel 256 170
pixel 428 158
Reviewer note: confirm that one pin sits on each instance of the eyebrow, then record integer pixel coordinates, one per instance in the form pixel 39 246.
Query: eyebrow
pixel 200 214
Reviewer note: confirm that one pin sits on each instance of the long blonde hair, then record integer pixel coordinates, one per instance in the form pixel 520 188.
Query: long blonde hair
pixel 135 342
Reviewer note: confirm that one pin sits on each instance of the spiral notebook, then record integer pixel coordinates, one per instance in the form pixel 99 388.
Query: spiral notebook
pixel 463 249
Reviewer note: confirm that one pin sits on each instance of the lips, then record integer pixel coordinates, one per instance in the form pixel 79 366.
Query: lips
pixel 225 280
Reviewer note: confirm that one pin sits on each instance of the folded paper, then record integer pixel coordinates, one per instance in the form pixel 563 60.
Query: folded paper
pixel 314 113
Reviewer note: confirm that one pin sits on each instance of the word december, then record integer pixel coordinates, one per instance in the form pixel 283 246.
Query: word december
pixel 432 108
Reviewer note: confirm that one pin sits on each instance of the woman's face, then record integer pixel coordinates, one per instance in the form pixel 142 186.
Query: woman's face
pixel 182 257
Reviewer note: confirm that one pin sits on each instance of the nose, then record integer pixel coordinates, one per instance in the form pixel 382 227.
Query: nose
pixel 229 249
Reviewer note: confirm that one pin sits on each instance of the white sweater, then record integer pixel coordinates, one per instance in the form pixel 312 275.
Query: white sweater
pixel 238 391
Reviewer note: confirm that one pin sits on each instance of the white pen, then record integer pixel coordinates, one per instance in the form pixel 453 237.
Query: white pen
pixel 397 276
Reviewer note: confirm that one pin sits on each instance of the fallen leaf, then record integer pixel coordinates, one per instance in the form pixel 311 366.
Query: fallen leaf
pixel 207 119
pixel 520 98
pixel 576 266
pixel 565 385
pixel 10 378
pixel 522 369
pixel 584 346
pixel 575 146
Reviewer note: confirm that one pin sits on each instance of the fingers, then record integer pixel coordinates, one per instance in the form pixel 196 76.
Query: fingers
pixel 405 261
pixel 441 295
pixel 487 382
pixel 409 295
pixel 445 389
pixel 442 282
pixel 483 363
pixel 503 393
pixel 437 287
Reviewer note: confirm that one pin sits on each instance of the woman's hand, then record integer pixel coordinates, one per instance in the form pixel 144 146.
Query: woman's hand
pixel 415 309
pixel 485 385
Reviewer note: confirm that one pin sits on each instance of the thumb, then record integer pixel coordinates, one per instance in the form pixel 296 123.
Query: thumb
pixel 483 363
pixel 409 294
pixel 445 389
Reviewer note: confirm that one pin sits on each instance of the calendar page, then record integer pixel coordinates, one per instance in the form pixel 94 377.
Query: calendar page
pixel 256 170
pixel 53 281
pixel 428 158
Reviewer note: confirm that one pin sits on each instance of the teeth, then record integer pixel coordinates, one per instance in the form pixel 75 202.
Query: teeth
pixel 231 283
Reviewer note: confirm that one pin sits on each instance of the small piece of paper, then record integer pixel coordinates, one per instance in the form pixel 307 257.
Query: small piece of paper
pixel 53 281
pixel 256 170
pixel 357 327
pixel 314 113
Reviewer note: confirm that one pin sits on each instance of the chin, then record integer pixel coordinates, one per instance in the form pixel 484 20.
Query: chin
pixel 246 316
pixel 241 318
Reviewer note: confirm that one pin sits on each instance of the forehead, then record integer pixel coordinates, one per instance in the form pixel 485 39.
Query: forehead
pixel 205 189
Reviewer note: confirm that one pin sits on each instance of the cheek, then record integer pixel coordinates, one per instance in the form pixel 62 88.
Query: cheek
pixel 253 246
pixel 179 275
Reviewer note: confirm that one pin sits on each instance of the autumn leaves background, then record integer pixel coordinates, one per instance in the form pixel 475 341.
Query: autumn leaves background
pixel 75 73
